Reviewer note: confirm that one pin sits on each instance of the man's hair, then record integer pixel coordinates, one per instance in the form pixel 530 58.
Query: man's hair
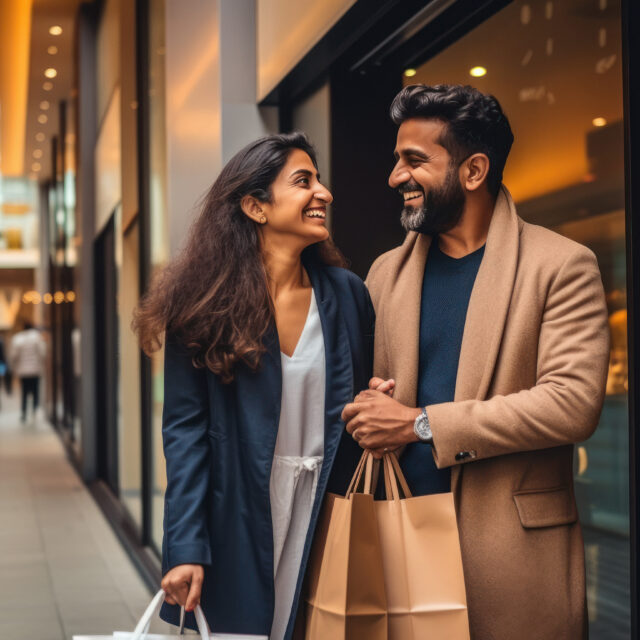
pixel 475 122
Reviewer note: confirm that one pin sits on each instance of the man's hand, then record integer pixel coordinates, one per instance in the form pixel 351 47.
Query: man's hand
pixel 386 386
pixel 378 422
pixel 183 585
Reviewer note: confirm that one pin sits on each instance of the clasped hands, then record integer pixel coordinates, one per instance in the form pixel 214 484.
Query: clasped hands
pixel 378 422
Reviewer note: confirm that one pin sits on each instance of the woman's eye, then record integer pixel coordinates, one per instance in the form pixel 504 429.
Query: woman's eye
pixel 303 181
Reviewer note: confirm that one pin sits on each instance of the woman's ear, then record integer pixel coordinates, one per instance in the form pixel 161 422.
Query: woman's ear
pixel 253 209
pixel 476 170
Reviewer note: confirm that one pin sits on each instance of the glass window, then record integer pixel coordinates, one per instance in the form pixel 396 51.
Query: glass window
pixel 159 245
pixel 556 69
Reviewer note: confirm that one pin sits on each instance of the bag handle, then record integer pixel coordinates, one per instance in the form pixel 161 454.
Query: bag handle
pixel 393 459
pixel 142 628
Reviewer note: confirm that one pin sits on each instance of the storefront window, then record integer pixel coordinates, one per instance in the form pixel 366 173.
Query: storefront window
pixel 556 69
pixel 158 223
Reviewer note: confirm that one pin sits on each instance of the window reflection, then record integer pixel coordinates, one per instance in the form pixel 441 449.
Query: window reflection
pixel 556 69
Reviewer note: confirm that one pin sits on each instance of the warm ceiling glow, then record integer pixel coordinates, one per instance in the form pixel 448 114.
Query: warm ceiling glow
pixel 42 118
pixel 36 167
pixel 50 72
pixel 40 136
pixel 44 105
pixel 599 122
pixel 478 72
pixel 409 73
pixel 56 30
pixel 47 86
pixel 52 50
pixel 37 153
pixel 15 39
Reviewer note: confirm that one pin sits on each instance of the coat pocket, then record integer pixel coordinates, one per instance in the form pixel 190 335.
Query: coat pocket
pixel 546 507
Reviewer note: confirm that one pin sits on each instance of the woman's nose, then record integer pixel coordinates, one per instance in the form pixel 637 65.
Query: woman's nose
pixel 324 195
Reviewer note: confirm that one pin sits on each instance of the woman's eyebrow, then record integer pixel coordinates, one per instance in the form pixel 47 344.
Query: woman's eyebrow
pixel 304 172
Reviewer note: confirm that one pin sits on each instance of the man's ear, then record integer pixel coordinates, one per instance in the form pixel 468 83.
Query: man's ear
pixel 253 209
pixel 476 169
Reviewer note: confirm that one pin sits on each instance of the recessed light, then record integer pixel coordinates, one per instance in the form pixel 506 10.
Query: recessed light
pixel 478 72
pixel 37 154
pixel 40 137
pixel 47 86
pixel 42 118
pixel 599 122
pixel 56 30
pixel 50 72
pixel 36 166
pixel 44 105
pixel 409 73
pixel 52 50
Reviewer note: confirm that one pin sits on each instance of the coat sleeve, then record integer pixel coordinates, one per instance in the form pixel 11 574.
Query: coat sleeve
pixel 564 406
pixel 185 421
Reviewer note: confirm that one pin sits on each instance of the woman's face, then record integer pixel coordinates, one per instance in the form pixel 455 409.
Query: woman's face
pixel 297 212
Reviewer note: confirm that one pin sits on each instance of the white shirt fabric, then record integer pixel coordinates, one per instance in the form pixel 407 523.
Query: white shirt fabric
pixel 27 354
pixel 297 461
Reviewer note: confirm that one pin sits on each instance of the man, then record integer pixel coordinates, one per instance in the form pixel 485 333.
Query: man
pixel 26 356
pixel 495 334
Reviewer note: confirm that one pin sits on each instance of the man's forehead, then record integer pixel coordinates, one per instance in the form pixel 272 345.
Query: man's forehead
pixel 425 132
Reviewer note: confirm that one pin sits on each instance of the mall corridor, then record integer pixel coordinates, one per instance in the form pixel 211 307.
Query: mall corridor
pixel 62 569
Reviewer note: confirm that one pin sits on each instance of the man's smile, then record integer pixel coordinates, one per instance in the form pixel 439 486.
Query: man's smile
pixel 411 195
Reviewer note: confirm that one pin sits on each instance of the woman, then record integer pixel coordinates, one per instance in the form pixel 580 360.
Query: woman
pixel 267 339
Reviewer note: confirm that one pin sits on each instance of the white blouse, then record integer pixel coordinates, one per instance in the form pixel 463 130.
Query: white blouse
pixel 297 461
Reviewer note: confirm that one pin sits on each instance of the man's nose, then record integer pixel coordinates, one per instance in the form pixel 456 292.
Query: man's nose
pixel 398 176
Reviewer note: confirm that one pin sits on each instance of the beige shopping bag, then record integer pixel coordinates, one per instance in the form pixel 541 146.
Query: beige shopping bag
pixel 422 562
pixel 346 594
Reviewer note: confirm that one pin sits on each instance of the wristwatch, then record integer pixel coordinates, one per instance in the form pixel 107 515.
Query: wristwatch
pixel 422 428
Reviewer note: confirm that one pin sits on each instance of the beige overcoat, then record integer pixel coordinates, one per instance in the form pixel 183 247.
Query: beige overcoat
pixel 530 384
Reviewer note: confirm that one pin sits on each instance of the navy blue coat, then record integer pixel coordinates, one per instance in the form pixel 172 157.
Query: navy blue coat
pixel 219 440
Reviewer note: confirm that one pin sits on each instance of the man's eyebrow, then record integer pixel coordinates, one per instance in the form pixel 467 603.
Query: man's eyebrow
pixel 412 151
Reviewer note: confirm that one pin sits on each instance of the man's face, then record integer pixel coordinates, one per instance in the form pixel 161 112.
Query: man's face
pixel 426 178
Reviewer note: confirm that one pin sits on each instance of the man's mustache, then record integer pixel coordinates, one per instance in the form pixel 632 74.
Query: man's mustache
pixel 408 187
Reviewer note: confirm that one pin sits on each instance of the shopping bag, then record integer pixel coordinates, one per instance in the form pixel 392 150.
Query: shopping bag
pixel 142 628
pixel 346 594
pixel 422 561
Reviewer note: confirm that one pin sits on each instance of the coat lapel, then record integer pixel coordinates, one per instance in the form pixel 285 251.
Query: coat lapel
pixel 489 302
pixel 401 317
pixel 339 369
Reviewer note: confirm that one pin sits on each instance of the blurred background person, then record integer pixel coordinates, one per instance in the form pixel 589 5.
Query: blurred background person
pixel 26 358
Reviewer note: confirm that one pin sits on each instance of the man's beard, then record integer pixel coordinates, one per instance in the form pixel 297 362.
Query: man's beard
pixel 442 207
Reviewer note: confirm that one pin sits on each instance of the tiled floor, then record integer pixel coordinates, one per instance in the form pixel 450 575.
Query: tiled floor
pixel 62 570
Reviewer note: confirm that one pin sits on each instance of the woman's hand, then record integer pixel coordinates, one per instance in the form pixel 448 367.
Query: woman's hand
pixel 183 585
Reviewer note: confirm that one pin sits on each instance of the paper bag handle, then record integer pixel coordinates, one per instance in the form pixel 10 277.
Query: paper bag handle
pixel 142 628
pixel 367 471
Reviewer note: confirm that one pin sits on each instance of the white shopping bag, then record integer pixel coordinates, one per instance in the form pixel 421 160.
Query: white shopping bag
pixel 142 628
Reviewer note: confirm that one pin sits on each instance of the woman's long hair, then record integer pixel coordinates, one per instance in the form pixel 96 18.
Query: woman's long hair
pixel 213 297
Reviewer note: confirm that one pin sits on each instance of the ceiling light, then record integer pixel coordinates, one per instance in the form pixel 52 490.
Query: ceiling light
pixel 42 118
pixel 409 73
pixel 52 50
pixel 48 298
pixel 47 86
pixel 44 105
pixel 599 122
pixel 478 72
pixel 50 72
pixel 36 166
pixel 40 136
pixel 37 153
pixel 56 30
